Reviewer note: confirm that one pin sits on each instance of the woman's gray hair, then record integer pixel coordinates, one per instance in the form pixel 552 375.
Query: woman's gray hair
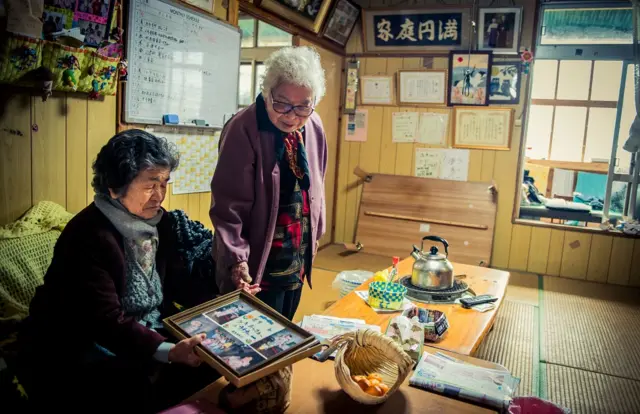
pixel 126 155
pixel 296 65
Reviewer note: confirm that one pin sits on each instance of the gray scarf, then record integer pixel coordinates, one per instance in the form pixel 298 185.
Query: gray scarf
pixel 142 295
pixel 128 225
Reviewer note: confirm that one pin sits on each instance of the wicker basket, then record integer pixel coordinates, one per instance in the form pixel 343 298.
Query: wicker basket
pixel 366 352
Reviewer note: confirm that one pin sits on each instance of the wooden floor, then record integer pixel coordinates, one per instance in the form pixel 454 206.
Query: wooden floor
pixel 580 348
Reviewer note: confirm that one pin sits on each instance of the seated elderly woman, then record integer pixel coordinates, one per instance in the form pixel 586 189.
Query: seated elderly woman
pixel 94 334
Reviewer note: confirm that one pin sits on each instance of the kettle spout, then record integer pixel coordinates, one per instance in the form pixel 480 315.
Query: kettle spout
pixel 416 253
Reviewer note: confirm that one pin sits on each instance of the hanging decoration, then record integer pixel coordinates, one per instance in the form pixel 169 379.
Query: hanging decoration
pixel 526 57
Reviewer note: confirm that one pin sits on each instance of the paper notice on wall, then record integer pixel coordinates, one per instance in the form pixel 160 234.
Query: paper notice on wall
pixel 446 164
pixel 24 17
pixel 428 163
pixel 404 126
pixel 357 126
pixel 432 128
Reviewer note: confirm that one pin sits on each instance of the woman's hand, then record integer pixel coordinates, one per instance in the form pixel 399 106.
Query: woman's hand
pixel 184 353
pixel 242 280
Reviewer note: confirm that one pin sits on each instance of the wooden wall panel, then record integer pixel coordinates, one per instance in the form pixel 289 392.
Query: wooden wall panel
pixel 575 255
pixel 556 249
pixel 634 279
pixel 15 158
pixel 599 258
pixel 620 262
pixel 48 149
pixel 76 148
pixel 101 126
pixel 538 249
pixel 519 252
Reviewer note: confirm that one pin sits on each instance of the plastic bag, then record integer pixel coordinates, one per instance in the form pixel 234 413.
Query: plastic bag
pixel 348 280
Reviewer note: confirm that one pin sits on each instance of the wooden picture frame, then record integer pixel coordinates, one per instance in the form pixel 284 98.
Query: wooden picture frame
pixel 431 86
pixel 377 90
pixel 469 75
pixel 504 84
pixel 471 127
pixel 499 29
pixel 302 17
pixel 432 42
pixel 341 22
pixel 246 339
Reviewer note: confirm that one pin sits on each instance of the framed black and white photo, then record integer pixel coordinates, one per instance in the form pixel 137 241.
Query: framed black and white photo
pixel 310 14
pixel 499 30
pixel 504 86
pixel 341 21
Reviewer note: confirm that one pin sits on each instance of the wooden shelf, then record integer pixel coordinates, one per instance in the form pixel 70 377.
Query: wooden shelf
pixel 592 167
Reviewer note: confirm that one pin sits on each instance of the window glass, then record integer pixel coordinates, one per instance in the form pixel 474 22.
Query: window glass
pixel 582 26
pixel 573 81
pixel 600 129
pixel 606 80
pixel 272 36
pixel 247 26
pixel 539 132
pixel 568 133
pixel 259 75
pixel 544 79
pixel 244 85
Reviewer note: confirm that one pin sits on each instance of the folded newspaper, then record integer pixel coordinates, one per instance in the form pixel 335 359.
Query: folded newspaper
pixel 454 378
pixel 326 327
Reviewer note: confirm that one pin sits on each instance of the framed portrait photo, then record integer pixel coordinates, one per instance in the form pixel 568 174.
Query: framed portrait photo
pixel 342 19
pixel 309 14
pixel 469 74
pixel 245 339
pixel 504 86
pixel 499 30
pixel 422 87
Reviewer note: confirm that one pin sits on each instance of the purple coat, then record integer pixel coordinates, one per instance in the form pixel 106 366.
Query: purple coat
pixel 245 193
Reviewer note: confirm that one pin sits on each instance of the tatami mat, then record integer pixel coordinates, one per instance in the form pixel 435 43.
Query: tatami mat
pixel 511 343
pixel 334 257
pixel 592 334
pixel 591 393
pixel 316 300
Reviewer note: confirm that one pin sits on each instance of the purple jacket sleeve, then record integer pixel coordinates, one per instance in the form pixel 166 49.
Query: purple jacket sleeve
pixel 323 218
pixel 232 192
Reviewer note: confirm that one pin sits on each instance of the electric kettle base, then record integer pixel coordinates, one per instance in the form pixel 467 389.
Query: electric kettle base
pixel 446 296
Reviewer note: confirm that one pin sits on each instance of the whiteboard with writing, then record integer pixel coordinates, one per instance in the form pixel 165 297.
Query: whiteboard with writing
pixel 180 62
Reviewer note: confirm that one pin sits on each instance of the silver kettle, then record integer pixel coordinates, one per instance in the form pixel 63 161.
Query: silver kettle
pixel 432 270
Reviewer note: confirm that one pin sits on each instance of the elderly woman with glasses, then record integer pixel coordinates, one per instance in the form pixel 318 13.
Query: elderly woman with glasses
pixel 268 204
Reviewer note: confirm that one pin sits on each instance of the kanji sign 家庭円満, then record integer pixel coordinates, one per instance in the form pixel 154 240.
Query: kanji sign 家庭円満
pixel 414 30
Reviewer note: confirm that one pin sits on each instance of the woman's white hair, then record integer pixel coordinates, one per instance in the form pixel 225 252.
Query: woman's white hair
pixel 296 65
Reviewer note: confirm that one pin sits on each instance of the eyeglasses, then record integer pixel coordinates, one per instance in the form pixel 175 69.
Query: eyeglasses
pixel 285 108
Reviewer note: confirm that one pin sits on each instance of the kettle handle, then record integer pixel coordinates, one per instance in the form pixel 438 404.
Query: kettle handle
pixel 436 239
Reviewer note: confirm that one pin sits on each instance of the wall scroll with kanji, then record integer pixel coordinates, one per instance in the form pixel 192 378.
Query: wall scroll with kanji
pixel 417 31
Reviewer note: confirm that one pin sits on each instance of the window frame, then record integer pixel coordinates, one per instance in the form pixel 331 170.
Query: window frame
pixel 593 53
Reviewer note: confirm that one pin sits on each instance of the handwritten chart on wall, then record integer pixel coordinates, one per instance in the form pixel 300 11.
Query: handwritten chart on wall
pixel 180 62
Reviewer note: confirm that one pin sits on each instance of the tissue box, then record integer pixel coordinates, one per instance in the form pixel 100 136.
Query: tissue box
pixel 408 334
pixel 433 322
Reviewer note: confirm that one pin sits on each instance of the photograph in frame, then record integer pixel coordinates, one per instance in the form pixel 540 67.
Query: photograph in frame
pixel 310 14
pixel 504 87
pixel 469 75
pixel 341 21
pixel 244 337
pixel 499 30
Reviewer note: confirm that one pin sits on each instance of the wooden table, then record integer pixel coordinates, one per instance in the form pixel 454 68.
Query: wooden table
pixel 316 390
pixel 467 327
